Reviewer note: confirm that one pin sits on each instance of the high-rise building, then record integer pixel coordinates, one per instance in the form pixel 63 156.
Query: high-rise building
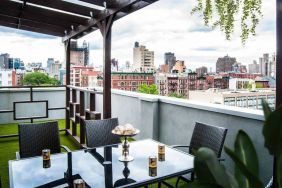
pixel 50 61
pixel 265 65
pixel 143 59
pixel 79 55
pixel 16 63
pixel 62 76
pixel 254 68
pixel 201 71
pixel 224 64
pixel 54 70
pixel 273 66
pixel 114 64
pixel 4 61
pixel 239 68
pixel 170 60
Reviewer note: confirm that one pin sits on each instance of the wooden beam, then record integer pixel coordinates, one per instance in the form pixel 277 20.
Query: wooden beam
pixel 279 53
pixel 34 24
pixel 67 56
pixel 102 16
pixel 105 27
pixel 66 6
pixel 31 29
pixel 33 13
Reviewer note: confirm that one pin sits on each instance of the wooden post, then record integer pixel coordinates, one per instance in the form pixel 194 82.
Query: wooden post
pixel 278 72
pixel 67 53
pixel 105 27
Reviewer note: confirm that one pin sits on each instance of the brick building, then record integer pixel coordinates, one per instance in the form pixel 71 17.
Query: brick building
pixel 130 81
pixel 225 64
pixel 76 75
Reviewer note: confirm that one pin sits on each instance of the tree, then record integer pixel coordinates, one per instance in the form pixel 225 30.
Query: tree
pixel 224 13
pixel 176 95
pixel 151 89
pixel 38 78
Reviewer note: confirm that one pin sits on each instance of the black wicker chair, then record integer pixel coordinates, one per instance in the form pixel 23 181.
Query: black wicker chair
pixel 203 136
pixel 33 138
pixel 99 132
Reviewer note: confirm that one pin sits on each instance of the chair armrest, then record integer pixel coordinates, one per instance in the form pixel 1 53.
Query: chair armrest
pixel 18 157
pixel 179 146
pixel 65 148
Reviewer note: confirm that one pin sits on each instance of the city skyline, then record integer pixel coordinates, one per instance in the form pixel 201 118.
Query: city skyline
pixel 183 39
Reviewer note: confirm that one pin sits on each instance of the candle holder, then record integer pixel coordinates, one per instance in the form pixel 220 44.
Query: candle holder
pixel 125 157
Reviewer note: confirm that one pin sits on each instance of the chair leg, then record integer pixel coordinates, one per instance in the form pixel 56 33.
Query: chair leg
pixel 177 182
pixel 159 184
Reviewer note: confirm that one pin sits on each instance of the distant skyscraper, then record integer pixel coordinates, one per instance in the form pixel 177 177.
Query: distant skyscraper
pixel 201 71
pixel 15 63
pixel 170 60
pixel 50 61
pixel 224 64
pixel 273 65
pixel 4 61
pixel 114 66
pixel 79 54
pixel 264 65
pixel 254 68
pixel 62 76
pixel 143 59
pixel 55 69
pixel 239 68
pixel 127 65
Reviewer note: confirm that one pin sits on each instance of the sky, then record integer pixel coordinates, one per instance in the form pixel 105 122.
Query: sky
pixel 165 26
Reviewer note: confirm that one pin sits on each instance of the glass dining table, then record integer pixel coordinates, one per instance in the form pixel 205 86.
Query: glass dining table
pixel 100 167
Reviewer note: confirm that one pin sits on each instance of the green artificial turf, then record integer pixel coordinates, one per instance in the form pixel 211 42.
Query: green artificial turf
pixel 9 146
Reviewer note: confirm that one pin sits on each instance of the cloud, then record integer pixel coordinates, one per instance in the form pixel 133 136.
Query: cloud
pixel 165 26
pixel 7 30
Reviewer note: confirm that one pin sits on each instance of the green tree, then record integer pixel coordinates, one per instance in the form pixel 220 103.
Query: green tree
pixel 259 85
pixel 38 78
pixel 151 89
pixel 224 13
pixel 176 95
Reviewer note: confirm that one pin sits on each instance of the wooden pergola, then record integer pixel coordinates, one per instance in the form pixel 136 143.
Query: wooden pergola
pixel 71 20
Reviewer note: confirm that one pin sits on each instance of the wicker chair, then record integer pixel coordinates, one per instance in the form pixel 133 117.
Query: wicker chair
pixel 98 132
pixel 203 136
pixel 33 138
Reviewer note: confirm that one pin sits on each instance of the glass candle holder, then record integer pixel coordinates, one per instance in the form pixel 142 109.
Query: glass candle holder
pixel 46 156
pixel 161 156
pixel 78 183
pixel 152 172
pixel 153 162
pixel 161 149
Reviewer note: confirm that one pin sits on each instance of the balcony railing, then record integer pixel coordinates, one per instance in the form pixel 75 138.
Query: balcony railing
pixel 166 119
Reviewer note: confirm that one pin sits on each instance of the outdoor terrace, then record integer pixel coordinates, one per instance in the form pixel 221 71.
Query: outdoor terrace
pixel 168 120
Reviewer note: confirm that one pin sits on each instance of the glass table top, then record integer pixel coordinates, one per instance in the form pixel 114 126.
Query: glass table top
pixel 30 172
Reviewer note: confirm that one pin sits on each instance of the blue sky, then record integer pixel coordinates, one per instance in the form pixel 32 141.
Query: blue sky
pixel 163 26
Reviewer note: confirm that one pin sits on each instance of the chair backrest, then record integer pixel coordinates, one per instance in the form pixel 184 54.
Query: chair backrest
pixel 33 138
pixel 208 136
pixel 99 132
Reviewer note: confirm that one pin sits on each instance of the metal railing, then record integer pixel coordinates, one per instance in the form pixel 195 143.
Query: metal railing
pixel 31 100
